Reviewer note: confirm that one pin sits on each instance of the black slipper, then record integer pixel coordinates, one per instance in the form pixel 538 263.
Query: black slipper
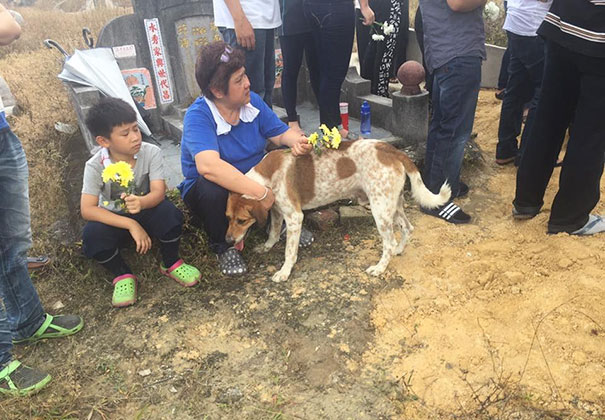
pixel 306 237
pixel 231 262
pixel 449 212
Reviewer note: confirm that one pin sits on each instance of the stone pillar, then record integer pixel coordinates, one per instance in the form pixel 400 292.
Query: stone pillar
pixel 411 106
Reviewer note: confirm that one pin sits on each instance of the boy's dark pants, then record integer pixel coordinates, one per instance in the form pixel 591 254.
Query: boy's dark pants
pixel 164 222
pixel 573 89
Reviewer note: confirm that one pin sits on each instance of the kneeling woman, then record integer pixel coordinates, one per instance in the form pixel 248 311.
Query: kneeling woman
pixel 224 136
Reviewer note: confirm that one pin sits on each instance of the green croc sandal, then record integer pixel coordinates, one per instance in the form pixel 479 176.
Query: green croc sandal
pixel 18 380
pixel 124 291
pixel 55 326
pixel 184 274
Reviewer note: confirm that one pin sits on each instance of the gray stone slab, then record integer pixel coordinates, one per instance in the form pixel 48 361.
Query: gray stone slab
pixel 171 151
pixel 354 214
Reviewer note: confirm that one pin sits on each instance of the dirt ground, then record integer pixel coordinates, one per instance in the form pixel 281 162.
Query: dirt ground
pixel 490 320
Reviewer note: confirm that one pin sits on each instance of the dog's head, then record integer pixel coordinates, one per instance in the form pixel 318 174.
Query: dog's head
pixel 241 214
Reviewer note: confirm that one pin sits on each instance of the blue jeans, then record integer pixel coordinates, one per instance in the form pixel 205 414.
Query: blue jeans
pixel 525 68
pixel 332 24
pixel 260 62
pixel 21 312
pixel 455 92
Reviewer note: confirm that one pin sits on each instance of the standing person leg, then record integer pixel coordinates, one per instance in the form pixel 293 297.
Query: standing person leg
pixel 579 182
pixel 333 26
pixel 269 63
pixel 22 318
pixel 312 60
pixel 292 48
pixel 518 88
pixel 533 59
pixel 455 93
pixel 558 98
pixel 402 38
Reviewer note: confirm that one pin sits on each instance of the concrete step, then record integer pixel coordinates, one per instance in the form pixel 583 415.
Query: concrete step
pixel 173 124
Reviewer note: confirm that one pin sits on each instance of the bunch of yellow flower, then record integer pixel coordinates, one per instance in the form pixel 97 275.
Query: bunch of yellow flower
pixel 330 139
pixel 119 172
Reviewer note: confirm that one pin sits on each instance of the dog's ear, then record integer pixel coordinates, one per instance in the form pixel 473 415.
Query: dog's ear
pixel 259 214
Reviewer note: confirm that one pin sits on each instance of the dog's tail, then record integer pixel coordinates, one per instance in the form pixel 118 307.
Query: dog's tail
pixel 420 192
pixel 424 196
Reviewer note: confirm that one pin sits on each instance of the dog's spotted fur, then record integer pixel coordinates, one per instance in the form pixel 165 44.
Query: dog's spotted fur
pixel 365 168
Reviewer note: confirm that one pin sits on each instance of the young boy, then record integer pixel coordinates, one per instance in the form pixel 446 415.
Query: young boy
pixel 143 214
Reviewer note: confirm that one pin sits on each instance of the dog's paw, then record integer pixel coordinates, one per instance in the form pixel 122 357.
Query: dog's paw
pixel 280 276
pixel 375 270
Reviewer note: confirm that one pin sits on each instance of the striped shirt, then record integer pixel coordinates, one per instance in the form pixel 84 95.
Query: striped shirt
pixel 578 25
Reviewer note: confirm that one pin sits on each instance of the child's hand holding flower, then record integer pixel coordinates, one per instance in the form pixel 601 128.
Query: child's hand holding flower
pixel 132 203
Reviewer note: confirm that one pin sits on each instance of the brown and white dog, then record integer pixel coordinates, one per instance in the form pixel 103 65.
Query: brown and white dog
pixel 364 168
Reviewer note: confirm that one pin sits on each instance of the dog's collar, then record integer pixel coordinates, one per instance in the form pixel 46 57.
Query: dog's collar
pixel 247 113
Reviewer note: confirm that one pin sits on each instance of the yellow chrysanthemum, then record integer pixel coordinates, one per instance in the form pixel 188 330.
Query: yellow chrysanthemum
pixel 313 139
pixel 118 172
pixel 336 138
pixel 326 141
pixel 336 141
pixel 325 129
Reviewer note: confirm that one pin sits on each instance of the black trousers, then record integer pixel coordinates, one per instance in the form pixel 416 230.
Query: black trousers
pixel 525 69
pixel 208 201
pixel 159 221
pixel 332 23
pixel 573 91
pixel 292 48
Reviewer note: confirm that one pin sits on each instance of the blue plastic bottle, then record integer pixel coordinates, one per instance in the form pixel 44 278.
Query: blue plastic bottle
pixel 366 124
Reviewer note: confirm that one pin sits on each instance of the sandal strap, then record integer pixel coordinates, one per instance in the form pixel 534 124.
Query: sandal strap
pixel 7 371
pixel 47 322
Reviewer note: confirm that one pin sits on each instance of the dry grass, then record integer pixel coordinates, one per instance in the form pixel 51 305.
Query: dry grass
pixel 30 69
pixel 65 28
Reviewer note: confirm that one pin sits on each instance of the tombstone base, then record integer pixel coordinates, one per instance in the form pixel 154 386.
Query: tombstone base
pixel 410 118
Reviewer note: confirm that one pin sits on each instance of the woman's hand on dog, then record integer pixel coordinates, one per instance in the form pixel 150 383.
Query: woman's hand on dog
pixel 268 201
pixel 300 146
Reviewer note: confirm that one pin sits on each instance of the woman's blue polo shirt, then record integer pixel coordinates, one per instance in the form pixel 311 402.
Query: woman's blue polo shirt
pixel 241 145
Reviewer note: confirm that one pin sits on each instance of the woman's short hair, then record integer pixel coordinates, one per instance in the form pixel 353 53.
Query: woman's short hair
pixel 215 64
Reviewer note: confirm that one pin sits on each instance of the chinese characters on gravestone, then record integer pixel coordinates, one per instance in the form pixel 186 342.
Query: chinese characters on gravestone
pixel 158 58
pixel 193 32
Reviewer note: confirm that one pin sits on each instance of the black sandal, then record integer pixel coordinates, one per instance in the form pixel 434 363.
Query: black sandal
pixel 231 262
pixel 306 237
pixel 449 212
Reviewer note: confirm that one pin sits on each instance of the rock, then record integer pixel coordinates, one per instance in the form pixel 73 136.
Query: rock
pixel 65 128
pixel 322 219
pixel 145 372
pixel 565 263
pixel 230 396
pixel 579 357
pixel 58 305
pixel 173 390
pixel 354 215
